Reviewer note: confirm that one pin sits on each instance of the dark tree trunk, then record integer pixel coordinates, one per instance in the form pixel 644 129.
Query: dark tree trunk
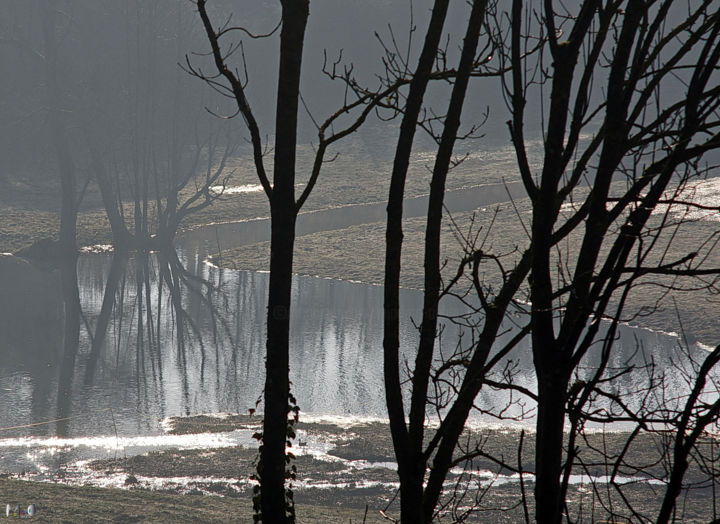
pixel 274 506
pixel 408 441
pixel 674 487
pixel 283 213
pixel 277 386
pixel 431 298
pixel 411 469
pixel 552 395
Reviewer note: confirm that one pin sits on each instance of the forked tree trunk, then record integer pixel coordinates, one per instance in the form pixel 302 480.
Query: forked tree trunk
pixel 410 463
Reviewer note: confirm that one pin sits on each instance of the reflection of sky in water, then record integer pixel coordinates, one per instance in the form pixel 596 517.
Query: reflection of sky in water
pixel 704 193
pixel 336 356
pixel 40 456
pixel 232 190
pixel 145 374
pixel 37 458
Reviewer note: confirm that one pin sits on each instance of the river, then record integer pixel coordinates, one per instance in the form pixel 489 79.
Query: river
pixel 153 365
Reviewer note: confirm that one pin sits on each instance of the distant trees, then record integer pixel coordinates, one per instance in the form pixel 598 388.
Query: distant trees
pixel 118 106
pixel 120 126
pixel 627 96
pixel 156 163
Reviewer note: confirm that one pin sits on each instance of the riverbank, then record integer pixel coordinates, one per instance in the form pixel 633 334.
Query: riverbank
pixel 61 503
pixel 29 201
pixel 357 253
pixel 332 491
pixel 346 473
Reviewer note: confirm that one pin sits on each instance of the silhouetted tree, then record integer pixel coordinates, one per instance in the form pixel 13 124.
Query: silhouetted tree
pixel 650 139
pixel 408 436
pixel 284 208
pixel 610 164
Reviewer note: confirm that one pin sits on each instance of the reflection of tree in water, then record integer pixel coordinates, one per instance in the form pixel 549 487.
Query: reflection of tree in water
pixel 31 324
pixel 150 302
pixel 110 295
pixel 71 342
pixel 149 170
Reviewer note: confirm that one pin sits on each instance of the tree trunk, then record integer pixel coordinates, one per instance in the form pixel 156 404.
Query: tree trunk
pixel 71 340
pixel 283 213
pixel 66 166
pixel 68 216
pixel 277 385
pixel 431 299
pixel 411 468
pixel 673 489
pixel 552 395
pixel 111 199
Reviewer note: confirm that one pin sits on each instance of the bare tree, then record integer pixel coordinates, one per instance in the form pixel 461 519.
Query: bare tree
pixel 408 437
pixel 156 164
pixel 633 107
pixel 666 136
pixel 276 504
pixel 160 161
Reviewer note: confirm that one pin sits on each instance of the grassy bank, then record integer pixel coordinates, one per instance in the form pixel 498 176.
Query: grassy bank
pixel 73 504
pixel 358 253
pixel 29 204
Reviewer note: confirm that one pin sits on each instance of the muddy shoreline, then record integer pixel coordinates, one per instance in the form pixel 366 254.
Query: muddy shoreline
pixel 345 470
